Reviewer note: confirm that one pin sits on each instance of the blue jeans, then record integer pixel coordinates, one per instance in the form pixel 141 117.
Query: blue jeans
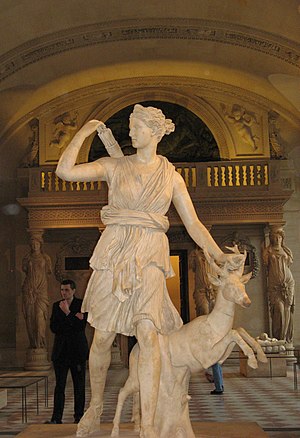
pixel 218 377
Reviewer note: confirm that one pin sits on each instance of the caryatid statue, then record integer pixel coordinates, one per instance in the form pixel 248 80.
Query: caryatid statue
pixel 37 267
pixel 281 285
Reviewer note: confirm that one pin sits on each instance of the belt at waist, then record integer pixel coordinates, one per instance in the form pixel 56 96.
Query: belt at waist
pixel 115 216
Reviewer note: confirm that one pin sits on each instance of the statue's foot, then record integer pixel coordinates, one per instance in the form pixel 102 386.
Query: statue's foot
pixel 148 432
pixel 89 423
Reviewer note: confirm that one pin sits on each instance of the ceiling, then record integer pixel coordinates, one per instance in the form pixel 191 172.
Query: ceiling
pixel 51 48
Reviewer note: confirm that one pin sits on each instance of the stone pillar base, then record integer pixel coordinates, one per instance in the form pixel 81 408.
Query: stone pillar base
pixel 37 360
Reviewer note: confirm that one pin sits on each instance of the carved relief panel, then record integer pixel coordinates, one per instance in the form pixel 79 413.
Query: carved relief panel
pixel 248 126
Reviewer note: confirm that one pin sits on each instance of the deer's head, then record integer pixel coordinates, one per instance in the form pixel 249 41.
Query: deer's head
pixel 229 279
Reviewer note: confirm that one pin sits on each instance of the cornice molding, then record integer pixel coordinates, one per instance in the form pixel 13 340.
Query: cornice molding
pixel 125 30
pixel 215 212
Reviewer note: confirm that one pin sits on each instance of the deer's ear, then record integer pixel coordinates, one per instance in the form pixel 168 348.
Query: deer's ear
pixel 216 281
pixel 245 278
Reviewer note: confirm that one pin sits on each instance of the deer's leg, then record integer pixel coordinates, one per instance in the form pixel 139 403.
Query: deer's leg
pixel 253 343
pixel 228 342
pixel 131 387
pixel 246 349
pixel 227 352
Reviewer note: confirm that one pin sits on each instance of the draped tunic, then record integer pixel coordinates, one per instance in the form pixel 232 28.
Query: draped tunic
pixel 131 261
pixel 35 297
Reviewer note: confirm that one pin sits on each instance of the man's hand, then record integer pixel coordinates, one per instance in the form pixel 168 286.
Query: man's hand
pixel 64 306
pixel 80 315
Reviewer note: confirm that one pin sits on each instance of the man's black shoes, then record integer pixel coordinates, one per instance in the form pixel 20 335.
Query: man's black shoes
pixel 53 422
pixel 215 392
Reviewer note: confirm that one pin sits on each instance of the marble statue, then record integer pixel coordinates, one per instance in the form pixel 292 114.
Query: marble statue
pixel 204 293
pixel 271 345
pixel 197 345
pixel 281 285
pixel 275 139
pixel 127 290
pixel 37 266
pixel 31 158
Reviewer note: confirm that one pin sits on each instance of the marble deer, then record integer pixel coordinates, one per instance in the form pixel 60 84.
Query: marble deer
pixel 196 346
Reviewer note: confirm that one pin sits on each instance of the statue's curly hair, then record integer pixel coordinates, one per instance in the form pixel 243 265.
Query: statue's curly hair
pixel 155 119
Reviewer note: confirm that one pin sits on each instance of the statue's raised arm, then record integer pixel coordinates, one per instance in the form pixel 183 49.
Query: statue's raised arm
pixel 67 168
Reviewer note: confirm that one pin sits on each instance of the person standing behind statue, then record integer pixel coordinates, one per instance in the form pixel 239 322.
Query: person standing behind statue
pixel 216 378
pixel 70 350
pixel 278 259
pixel 37 266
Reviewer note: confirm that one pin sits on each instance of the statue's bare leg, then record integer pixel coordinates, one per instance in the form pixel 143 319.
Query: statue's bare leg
pixel 99 360
pixel 149 375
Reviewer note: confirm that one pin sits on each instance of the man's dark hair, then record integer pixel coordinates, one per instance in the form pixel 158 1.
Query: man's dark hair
pixel 70 282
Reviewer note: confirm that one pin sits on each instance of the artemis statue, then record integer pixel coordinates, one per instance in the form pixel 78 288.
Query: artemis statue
pixel 127 290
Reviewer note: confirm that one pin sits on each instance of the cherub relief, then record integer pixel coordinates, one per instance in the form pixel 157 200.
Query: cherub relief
pixel 242 122
pixel 65 125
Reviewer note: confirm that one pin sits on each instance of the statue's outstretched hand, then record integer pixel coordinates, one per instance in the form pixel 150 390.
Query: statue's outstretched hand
pixel 232 261
pixel 90 127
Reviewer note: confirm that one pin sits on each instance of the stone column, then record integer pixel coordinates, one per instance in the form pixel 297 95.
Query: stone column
pixel 37 267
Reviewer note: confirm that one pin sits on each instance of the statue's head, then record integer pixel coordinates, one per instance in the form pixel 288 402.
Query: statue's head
pixel 36 242
pixel 154 119
pixel 277 236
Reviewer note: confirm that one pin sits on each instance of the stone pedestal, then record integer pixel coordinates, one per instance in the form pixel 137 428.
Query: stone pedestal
pixel 275 367
pixel 203 429
pixel 37 360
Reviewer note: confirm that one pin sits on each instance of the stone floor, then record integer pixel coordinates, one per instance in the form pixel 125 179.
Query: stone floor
pixel 273 404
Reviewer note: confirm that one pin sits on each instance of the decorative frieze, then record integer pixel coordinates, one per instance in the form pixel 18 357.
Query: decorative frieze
pixel 64 217
pixel 115 31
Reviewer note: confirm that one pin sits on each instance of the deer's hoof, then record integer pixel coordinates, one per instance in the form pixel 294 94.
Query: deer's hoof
pixel 262 357
pixel 89 423
pixel 252 362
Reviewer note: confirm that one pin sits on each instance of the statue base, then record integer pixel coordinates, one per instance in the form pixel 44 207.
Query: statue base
pixel 37 360
pixel 201 429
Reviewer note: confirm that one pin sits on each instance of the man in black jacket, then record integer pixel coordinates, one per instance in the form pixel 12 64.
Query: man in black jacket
pixel 70 350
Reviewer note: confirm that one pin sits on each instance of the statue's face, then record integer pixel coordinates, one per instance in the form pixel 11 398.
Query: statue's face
pixel 35 245
pixel 276 239
pixel 141 135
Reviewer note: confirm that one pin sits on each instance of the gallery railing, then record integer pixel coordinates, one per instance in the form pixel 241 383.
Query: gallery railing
pixel 202 179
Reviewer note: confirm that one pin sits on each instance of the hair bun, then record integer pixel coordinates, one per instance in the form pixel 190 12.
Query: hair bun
pixel 169 126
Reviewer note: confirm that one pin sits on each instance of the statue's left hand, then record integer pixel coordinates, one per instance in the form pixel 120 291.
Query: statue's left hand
pixel 233 261
pixel 90 127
